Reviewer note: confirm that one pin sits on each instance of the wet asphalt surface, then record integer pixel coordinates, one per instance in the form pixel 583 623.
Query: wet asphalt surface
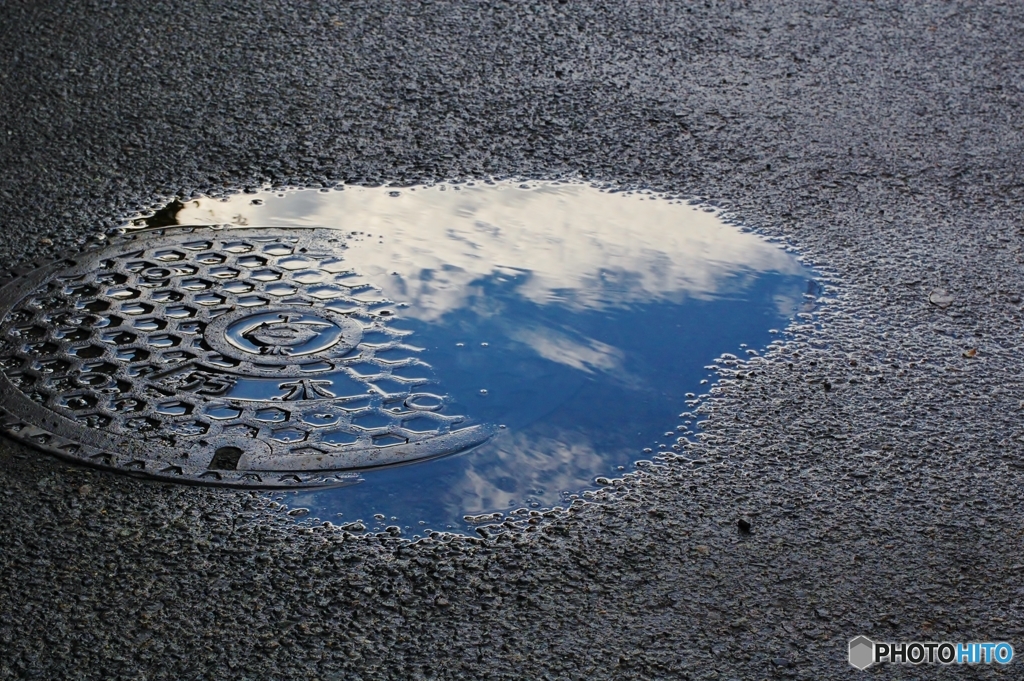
pixel 879 465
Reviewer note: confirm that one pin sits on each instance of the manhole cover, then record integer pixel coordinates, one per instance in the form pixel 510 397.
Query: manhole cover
pixel 218 357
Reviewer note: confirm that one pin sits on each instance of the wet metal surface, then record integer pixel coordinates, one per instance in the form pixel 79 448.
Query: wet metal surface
pixel 563 324
pixel 199 355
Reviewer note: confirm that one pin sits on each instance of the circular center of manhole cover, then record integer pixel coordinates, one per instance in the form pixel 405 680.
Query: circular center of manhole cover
pixel 204 355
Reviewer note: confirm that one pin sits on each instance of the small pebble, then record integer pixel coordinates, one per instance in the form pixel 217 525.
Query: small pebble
pixel 940 298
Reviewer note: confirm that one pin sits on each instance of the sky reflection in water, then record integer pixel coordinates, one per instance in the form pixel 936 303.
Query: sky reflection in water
pixel 578 319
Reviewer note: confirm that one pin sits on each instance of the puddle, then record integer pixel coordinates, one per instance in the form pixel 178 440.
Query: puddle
pixel 401 357
pixel 576 320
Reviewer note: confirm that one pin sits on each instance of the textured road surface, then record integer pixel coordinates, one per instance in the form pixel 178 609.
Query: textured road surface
pixel 880 467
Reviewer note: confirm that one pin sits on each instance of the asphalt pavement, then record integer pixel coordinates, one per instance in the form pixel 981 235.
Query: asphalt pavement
pixel 878 455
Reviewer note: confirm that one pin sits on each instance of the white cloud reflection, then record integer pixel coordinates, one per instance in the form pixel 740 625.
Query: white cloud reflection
pixel 568 244
pixel 511 470
pixel 586 356
pixel 535 467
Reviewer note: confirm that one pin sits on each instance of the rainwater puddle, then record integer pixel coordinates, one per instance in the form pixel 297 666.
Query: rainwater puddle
pixel 571 322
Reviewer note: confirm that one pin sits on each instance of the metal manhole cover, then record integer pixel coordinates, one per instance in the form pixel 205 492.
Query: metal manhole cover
pixel 217 357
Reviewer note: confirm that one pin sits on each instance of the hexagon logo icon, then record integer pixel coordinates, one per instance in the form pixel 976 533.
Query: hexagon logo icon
pixel 862 652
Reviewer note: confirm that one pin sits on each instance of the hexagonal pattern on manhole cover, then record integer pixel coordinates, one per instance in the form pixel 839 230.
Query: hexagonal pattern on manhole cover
pixel 217 357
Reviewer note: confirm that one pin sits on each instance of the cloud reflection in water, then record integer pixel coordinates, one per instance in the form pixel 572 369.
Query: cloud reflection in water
pixel 578 318
pixel 569 244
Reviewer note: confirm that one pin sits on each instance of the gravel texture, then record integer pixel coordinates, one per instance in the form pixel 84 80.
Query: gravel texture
pixel 877 454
